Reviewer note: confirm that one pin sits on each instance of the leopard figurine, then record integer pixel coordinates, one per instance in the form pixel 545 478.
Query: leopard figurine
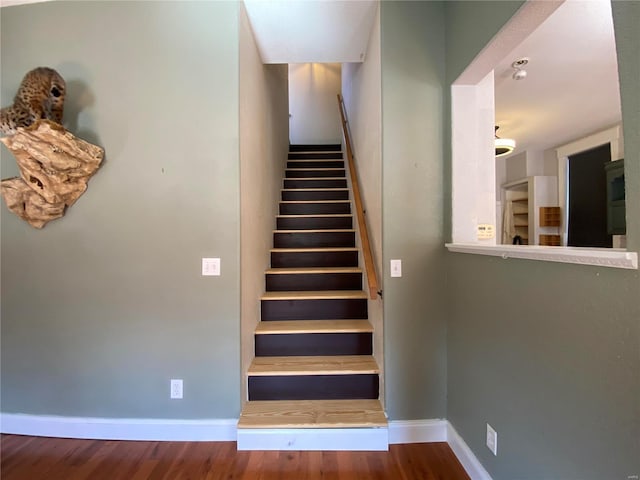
pixel 40 96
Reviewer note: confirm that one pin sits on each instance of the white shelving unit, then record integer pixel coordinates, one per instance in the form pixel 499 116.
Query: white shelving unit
pixel 527 195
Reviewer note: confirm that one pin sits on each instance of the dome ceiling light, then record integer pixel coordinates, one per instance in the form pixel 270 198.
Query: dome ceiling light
pixel 503 146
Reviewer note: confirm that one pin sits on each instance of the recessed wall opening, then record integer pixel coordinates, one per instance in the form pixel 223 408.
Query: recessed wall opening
pixel 488 93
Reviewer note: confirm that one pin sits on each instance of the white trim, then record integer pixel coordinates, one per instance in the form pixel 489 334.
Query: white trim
pixel 11 3
pixel 417 431
pixel 601 257
pixel 222 430
pixel 219 430
pixel 328 439
pixel 612 136
pixel 473 467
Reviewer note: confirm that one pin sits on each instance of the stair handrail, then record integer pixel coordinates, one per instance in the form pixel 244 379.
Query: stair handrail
pixel 369 264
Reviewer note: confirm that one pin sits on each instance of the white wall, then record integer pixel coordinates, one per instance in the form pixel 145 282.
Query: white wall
pixel 263 149
pixel 313 104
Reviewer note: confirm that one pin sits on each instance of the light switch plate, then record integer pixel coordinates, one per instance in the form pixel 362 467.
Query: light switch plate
pixel 492 440
pixel 396 268
pixel 211 267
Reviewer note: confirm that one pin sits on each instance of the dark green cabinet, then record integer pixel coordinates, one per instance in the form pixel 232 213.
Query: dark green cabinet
pixel 616 222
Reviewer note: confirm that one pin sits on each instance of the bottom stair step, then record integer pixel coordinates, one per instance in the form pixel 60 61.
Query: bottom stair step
pixel 312 414
pixel 354 425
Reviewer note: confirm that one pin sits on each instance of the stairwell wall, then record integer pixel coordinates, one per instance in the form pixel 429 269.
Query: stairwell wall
pixel 264 143
pixel 361 91
pixel 312 92
pixel 413 76
pixel 101 308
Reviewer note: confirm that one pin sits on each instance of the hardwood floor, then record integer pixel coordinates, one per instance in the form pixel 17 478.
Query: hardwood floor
pixel 36 458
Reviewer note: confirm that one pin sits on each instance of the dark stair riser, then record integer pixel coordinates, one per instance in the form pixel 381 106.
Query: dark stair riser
pixel 321 208
pixel 300 173
pixel 315 156
pixel 314 387
pixel 315 183
pixel 314 259
pixel 316 309
pixel 307 239
pixel 315 147
pixel 313 344
pixel 315 164
pixel 282 282
pixel 314 223
pixel 302 195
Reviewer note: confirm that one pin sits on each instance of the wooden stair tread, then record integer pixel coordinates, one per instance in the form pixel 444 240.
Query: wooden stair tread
pixel 318 215
pixel 317 230
pixel 316 295
pixel 313 365
pixel 313 189
pixel 312 414
pixel 313 326
pixel 314 201
pixel 313 178
pixel 309 270
pixel 313 169
pixel 315 249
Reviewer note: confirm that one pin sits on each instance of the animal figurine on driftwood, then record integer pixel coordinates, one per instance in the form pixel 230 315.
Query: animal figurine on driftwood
pixel 40 96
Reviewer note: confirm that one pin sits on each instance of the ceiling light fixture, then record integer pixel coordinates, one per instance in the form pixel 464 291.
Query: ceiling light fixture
pixel 503 146
pixel 520 73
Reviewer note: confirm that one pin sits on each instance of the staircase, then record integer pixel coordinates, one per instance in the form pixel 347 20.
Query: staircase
pixel 313 384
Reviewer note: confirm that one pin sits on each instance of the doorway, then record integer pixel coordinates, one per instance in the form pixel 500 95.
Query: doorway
pixel 587 198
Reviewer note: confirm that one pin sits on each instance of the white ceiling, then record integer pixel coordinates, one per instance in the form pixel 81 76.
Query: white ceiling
pixel 571 88
pixel 321 31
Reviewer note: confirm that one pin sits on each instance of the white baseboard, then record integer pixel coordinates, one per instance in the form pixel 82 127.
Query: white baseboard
pixel 225 430
pixel 119 428
pixel 474 468
pixel 417 431
pixel 354 439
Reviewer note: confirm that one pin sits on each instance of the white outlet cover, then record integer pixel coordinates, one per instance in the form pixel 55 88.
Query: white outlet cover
pixel 492 440
pixel 211 267
pixel 176 388
pixel 396 268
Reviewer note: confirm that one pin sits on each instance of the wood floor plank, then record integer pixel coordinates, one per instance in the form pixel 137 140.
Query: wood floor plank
pixel 67 459
pixel 318 365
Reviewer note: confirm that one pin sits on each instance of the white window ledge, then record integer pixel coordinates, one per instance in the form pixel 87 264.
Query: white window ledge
pixel 602 257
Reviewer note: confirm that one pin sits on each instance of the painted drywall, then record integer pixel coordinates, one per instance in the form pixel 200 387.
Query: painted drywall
pixel 101 308
pixel 264 142
pixel 413 75
pixel 313 104
pixel 361 90
pixel 548 354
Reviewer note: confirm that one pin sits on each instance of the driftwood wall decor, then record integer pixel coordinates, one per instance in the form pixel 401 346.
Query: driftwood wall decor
pixel 55 167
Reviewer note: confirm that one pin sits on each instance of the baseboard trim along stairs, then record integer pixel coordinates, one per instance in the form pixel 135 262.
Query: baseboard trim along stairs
pixel 314 383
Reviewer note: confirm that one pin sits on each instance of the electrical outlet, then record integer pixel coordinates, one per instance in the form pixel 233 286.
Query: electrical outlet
pixel 492 440
pixel 396 268
pixel 176 388
pixel 211 267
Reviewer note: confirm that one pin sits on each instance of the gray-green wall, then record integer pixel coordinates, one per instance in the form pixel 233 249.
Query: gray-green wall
pixel 548 354
pixel 102 307
pixel 413 71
